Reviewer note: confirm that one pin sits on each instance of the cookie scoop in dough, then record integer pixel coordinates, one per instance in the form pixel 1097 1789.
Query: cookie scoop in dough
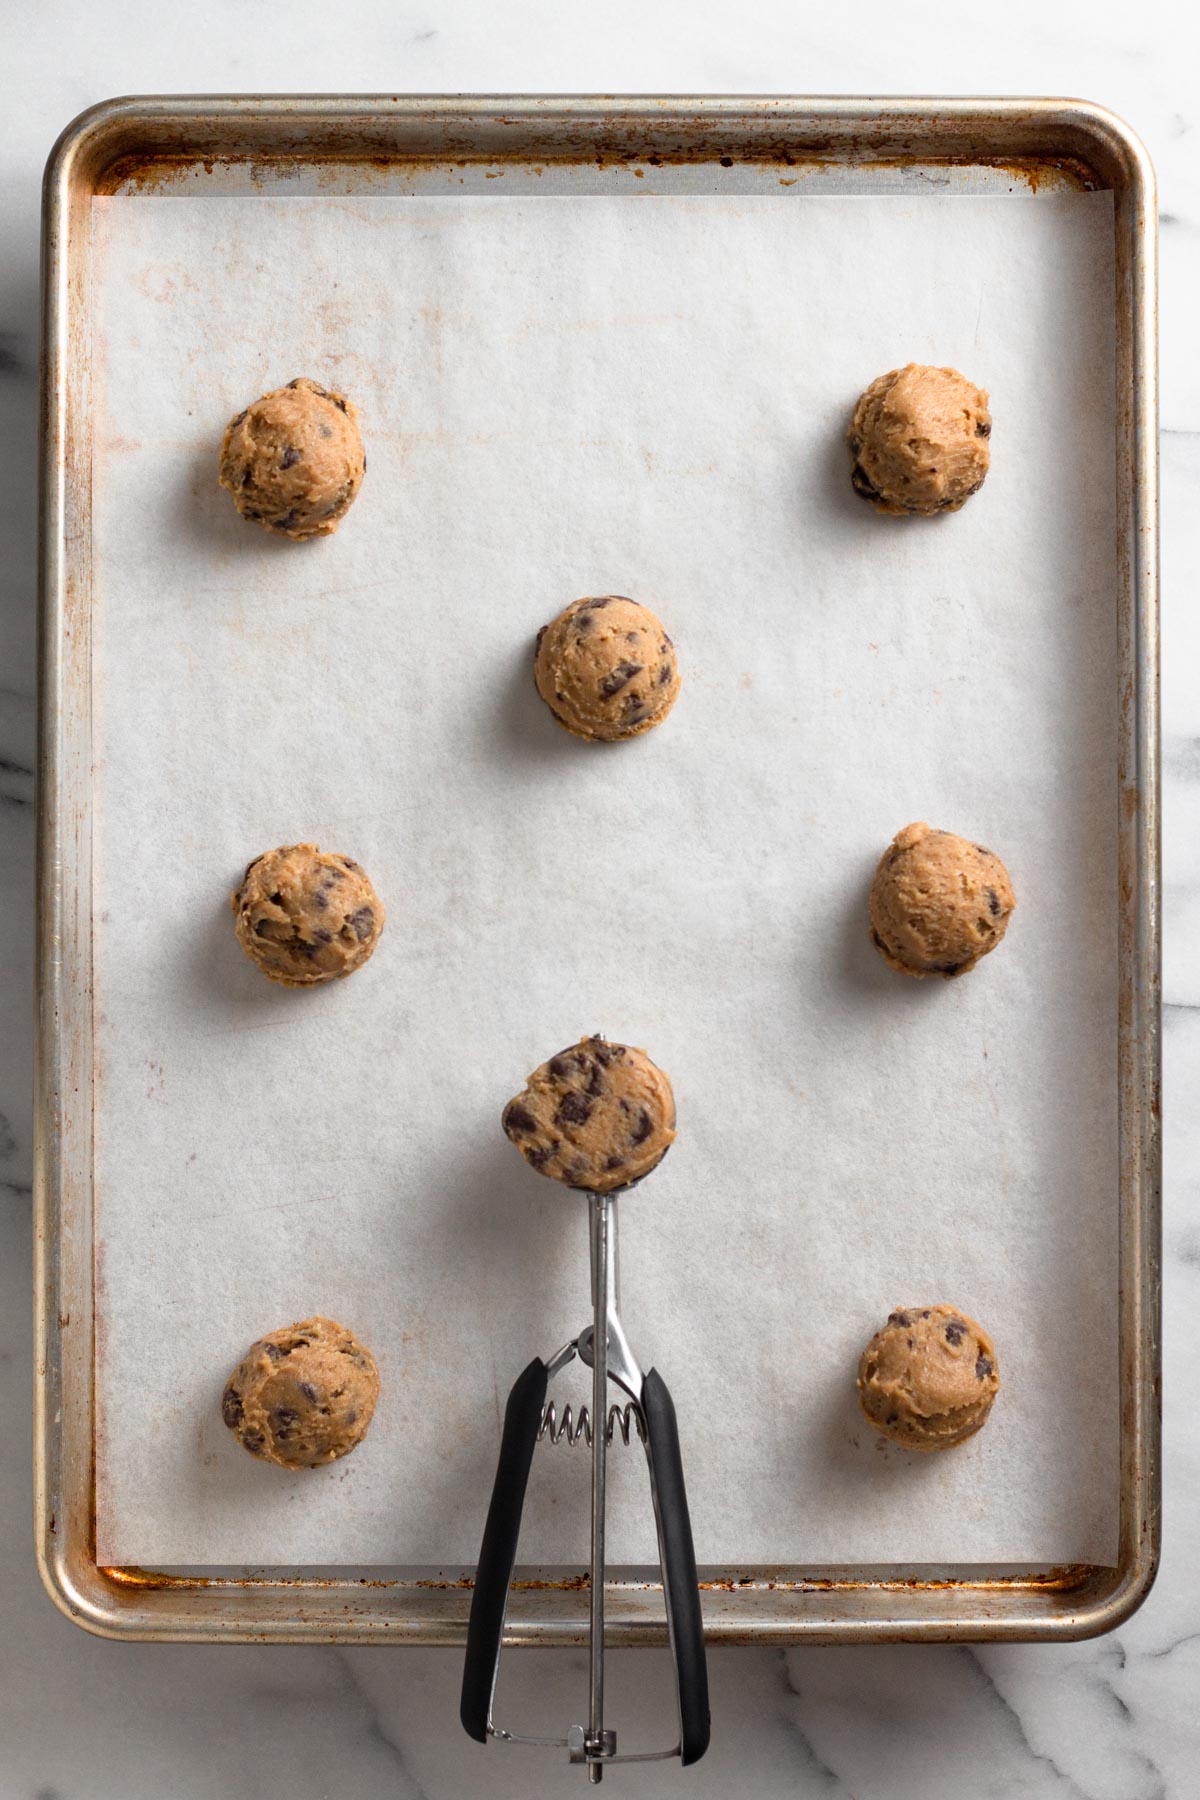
pixel 928 1379
pixel 919 439
pixel 938 902
pixel 606 668
pixel 596 1116
pixel 303 1395
pixel 306 916
pixel 294 461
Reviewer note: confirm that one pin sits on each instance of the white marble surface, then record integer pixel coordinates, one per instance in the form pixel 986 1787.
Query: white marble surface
pixel 1112 1720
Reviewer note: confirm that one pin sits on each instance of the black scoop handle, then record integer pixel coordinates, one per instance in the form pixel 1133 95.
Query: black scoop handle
pixel 678 1557
pixel 498 1552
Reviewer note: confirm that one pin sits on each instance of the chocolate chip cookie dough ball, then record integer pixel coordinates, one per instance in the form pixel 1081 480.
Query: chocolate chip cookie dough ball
pixel 596 1116
pixel 919 439
pixel 294 461
pixel 307 916
pixel 303 1395
pixel 938 902
pixel 606 668
pixel 928 1379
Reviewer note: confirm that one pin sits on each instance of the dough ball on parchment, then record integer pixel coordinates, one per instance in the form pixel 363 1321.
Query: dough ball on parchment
pixel 293 460
pixel 303 1395
pixel 307 916
pixel 928 1379
pixel 938 902
pixel 606 668
pixel 596 1116
pixel 919 439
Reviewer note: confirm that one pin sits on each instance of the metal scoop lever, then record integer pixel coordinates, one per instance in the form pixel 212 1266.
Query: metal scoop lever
pixel 604 1346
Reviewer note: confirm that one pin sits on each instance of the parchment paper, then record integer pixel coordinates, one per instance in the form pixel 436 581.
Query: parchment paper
pixel 562 397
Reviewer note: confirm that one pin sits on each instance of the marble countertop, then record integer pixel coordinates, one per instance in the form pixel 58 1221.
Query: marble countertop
pixel 1111 1720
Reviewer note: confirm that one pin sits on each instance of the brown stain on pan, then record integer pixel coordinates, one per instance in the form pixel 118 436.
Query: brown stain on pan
pixel 161 173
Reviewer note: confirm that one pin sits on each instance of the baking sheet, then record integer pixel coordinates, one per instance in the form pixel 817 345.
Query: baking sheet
pixel 568 396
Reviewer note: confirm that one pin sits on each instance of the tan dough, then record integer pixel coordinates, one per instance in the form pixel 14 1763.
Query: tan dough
pixel 928 1379
pixel 919 438
pixel 938 902
pixel 606 668
pixel 596 1116
pixel 307 916
pixel 303 1395
pixel 294 461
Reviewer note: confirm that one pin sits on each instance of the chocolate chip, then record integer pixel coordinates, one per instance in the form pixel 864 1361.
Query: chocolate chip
pixel 983 1367
pixel 983 429
pixel 573 1109
pixel 631 637
pixel 899 1318
pixel 347 863
pixel 231 1408
pixel 643 1128
pixel 617 678
pixel 949 968
pixel 596 1082
pixel 538 640
pixel 726 162
pixel 282 1417
pixel 664 675
pixel 289 521
pixel 855 445
pixel 602 1052
pixel 352 1418
pixel 877 941
pixel 518 1118
pixel 326 430
pixel 560 1066
pixel 332 875
pixel 319 900
pixel 596 605
pixel 364 462
pixel 363 921
pixel 323 937
pixel 253 1442
pixel 925 1314
pixel 993 901
pixel 579 1165
pixel 538 1154
pixel 254 517
pixel 862 483
pixel 247 477
pixel 274 1351
pixel 290 458
pixel 296 383
pixel 955 1330
pixel 309 1392
pixel 614 1162
pixel 262 927
pixel 893 1418
pixel 337 400
pixel 234 423
pixel 982 850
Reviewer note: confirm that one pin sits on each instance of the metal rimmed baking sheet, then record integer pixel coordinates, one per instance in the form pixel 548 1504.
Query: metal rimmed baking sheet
pixel 1013 1601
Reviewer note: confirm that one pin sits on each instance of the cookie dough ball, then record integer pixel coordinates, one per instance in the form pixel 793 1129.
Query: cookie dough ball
pixel 294 461
pixel 596 1116
pixel 919 438
pixel 606 668
pixel 306 916
pixel 303 1395
pixel 928 1379
pixel 938 902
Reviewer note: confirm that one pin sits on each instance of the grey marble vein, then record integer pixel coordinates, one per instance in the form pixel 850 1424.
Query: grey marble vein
pixel 1017 1724
pixel 373 1727
pixel 819 1777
